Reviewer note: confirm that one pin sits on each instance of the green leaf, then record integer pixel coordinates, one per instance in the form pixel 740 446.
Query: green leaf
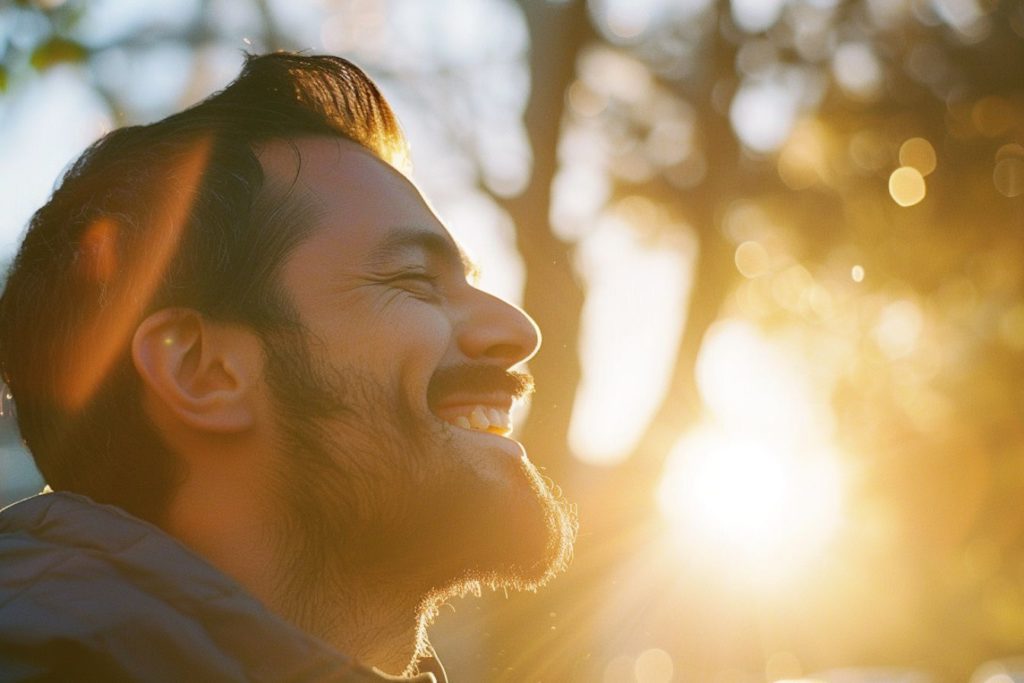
pixel 3 78
pixel 55 51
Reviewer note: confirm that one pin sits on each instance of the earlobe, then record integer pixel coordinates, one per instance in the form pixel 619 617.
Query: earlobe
pixel 201 371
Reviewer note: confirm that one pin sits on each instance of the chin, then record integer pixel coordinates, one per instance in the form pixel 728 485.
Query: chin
pixel 512 531
pixel 440 509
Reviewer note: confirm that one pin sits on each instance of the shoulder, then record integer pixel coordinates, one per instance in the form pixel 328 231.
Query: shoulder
pixel 87 591
pixel 75 598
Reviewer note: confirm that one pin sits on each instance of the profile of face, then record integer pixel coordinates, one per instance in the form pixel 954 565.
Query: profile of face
pixel 392 395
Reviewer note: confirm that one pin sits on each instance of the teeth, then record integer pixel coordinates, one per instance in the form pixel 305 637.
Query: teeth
pixel 493 416
pixel 478 419
pixel 485 419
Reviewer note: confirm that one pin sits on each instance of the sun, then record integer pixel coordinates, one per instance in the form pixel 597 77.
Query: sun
pixel 731 489
pixel 741 499
pixel 758 487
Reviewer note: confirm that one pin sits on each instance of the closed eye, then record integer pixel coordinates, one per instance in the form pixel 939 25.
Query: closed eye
pixel 415 276
pixel 420 284
pixel 412 275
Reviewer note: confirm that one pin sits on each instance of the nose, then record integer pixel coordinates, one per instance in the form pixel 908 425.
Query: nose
pixel 497 332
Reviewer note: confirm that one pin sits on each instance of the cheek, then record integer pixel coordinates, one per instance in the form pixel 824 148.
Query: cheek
pixel 418 349
pixel 403 351
pixel 423 333
pixel 398 347
pixel 392 333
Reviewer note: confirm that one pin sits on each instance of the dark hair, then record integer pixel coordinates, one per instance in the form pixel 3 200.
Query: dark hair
pixel 175 213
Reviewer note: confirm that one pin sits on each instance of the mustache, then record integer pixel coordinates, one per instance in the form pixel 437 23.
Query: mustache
pixel 478 379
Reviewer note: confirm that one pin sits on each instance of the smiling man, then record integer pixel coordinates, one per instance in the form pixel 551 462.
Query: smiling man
pixel 273 409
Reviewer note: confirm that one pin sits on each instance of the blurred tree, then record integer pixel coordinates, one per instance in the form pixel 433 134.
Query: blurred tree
pixel 788 126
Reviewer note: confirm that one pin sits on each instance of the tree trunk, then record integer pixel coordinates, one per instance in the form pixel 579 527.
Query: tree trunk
pixel 553 295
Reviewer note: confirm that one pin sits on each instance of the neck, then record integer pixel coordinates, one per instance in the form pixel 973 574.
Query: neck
pixel 375 619
pixel 375 622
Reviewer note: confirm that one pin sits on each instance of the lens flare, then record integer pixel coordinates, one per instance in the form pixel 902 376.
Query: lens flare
pixel 130 282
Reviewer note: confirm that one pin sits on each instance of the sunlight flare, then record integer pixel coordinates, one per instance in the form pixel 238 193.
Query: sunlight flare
pixel 751 499
pixel 758 486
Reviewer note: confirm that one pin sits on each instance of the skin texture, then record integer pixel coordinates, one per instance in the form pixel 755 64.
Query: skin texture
pixel 322 469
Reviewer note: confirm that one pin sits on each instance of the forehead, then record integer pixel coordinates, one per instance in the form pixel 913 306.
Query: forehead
pixel 356 200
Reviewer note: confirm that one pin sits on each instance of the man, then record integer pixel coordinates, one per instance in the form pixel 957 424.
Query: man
pixel 272 408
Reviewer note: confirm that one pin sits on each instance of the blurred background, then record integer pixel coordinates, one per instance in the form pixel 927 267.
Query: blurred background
pixel 776 248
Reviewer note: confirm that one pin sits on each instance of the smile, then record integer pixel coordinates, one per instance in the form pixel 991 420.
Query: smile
pixel 479 418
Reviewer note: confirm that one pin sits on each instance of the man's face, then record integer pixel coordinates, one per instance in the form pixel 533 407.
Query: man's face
pixel 393 403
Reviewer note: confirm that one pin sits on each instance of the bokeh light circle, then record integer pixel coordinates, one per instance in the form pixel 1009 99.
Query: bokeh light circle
pixel 906 186
pixel 918 153
pixel 1008 177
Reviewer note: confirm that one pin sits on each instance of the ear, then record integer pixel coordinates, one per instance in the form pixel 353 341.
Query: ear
pixel 202 371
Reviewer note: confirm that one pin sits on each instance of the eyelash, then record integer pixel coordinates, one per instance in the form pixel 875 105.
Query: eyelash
pixel 414 275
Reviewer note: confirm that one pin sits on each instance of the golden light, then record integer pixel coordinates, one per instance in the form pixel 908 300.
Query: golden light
pixel 654 666
pixel 857 273
pixel 618 669
pixel 783 667
pixel 803 161
pixel 751 259
pixel 906 186
pixel 899 328
pixel 757 488
pixel 792 287
pixel 751 501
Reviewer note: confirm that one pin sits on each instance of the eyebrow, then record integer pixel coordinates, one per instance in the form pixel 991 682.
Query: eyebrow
pixel 437 246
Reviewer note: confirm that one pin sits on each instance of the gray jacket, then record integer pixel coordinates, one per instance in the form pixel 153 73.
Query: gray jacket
pixel 88 592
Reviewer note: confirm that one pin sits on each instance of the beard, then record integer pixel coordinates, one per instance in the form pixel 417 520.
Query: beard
pixel 371 487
